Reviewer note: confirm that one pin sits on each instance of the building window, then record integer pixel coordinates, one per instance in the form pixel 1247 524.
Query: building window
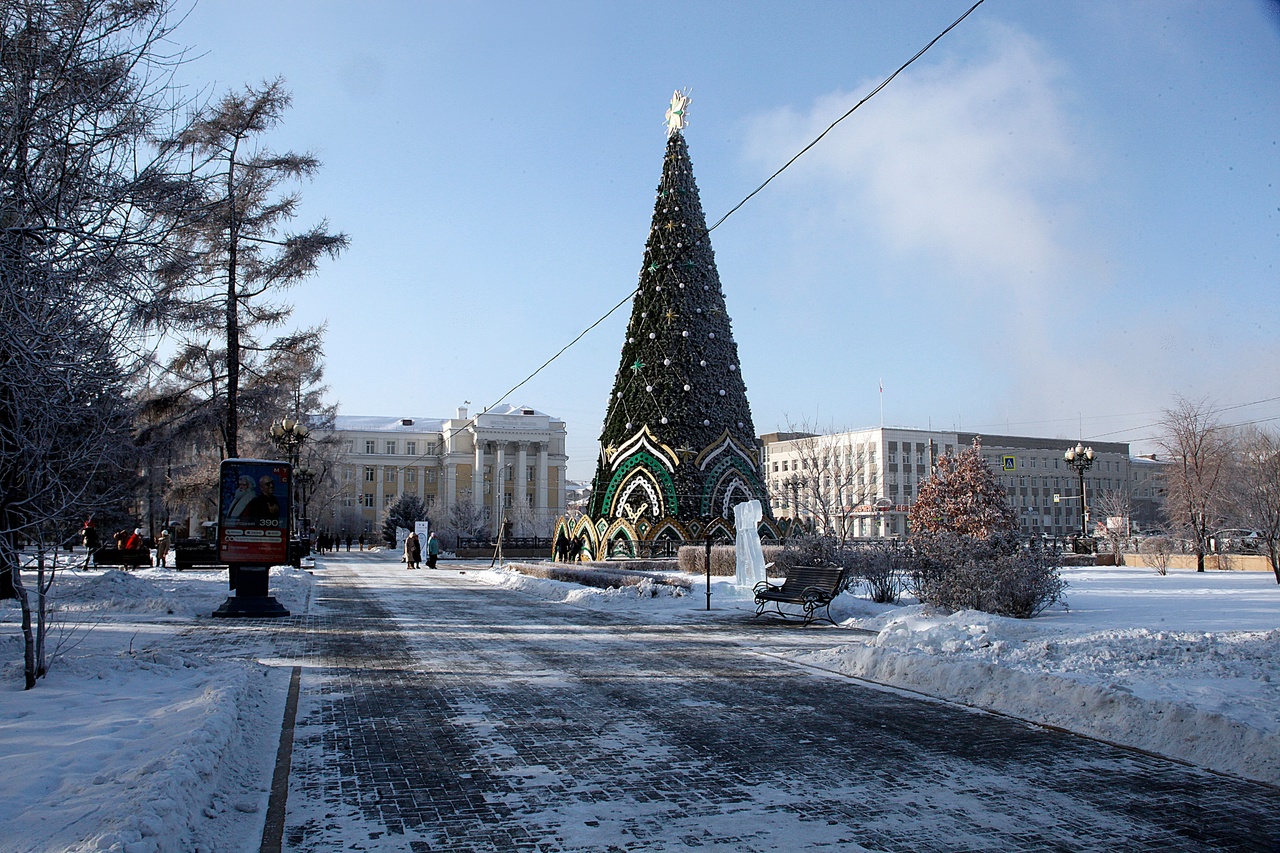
pixel 391 448
pixel 431 475
pixel 411 448
pixel 411 475
pixel 387 499
pixel 389 475
pixel 366 500
pixel 370 446
pixel 369 475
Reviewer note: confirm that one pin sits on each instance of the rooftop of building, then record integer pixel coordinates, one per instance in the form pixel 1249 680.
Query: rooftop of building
pixel 414 423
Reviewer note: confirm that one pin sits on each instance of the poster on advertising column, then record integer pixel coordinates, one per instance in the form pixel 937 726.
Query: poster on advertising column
pixel 253 511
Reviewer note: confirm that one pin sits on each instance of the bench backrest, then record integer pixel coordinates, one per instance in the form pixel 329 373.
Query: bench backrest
pixel 804 577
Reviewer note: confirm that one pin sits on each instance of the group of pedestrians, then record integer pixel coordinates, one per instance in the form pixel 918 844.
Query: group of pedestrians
pixel 413 551
pixel 127 541
pixel 327 543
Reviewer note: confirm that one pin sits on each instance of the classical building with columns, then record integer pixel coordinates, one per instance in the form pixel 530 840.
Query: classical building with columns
pixel 506 462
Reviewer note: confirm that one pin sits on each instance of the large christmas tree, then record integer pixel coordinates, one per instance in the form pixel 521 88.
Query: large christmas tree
pixel 678 448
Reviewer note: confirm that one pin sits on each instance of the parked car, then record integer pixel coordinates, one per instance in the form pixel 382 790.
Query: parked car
pixel 1237 541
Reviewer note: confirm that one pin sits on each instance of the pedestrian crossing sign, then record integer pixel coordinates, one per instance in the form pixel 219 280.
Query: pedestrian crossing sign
pixel 1010 463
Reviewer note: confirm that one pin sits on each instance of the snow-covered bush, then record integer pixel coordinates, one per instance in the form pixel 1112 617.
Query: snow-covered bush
pixel 1158 550
pixel 996 575
pixel 878 565
pixel 883 568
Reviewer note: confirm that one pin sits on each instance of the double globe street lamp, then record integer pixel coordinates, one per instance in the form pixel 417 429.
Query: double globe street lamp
pixel 1081 459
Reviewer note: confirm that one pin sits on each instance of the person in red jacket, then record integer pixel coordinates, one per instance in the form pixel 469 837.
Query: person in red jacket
pixel 134 542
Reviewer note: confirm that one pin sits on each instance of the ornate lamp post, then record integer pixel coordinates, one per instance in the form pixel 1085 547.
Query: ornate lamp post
pixel 289 435
pixel 305 477
pixel 1081 459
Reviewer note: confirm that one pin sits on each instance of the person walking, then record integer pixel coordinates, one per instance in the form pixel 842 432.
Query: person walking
pixel 348 542
pixel 412 550
pixel 361 541
pixel 90 535
pixel 433 551
pixel 162 548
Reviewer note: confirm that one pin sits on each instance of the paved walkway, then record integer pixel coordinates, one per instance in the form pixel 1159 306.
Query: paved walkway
pixel 439 713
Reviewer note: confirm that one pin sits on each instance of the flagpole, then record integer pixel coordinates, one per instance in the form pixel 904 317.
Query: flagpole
pixel 881 404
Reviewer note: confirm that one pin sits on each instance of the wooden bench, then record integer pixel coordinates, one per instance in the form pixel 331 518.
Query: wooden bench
pixel 196 556
pixel 810 587
pixel 135 557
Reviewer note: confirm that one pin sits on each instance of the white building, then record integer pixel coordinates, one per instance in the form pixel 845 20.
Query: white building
pixel 863 482
pixel 508 462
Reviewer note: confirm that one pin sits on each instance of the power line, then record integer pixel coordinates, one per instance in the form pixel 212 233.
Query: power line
pixel 750 195
pixel 1222 409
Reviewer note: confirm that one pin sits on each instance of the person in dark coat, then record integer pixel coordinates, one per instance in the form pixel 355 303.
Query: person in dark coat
pixel 89 535
pixel 412 550
pixel 433 551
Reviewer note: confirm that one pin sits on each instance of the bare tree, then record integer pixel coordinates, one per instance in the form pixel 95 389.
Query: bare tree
pixel 1198 450
pixel 461 519
pixel 1255 488
pixel 827 482
pixel 86 211
pixel 1112 507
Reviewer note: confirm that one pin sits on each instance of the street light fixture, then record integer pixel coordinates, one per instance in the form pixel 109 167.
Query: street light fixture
pixel 1081 459
pixel 305 476
pixel 289 435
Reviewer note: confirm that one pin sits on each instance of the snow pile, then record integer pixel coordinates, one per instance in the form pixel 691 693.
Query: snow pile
pixel 130 743
pixel 113 590
pixel 1210 697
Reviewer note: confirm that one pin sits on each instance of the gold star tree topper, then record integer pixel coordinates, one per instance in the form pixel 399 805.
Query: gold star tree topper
pixel 676 113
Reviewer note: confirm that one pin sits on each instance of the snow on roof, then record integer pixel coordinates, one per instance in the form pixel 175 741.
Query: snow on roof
pixel 381 423
pixel 508 409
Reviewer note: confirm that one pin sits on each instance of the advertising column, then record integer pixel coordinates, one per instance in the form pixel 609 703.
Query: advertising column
pixel 253 531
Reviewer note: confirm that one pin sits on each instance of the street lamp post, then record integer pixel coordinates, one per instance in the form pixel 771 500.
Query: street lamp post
pixel 1081 459
pixel 305 477
pixel 289 435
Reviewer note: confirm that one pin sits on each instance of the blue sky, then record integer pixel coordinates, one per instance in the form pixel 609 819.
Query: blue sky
pixel 1061 217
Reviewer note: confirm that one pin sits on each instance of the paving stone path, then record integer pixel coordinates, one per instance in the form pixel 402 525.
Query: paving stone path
pixel 450 715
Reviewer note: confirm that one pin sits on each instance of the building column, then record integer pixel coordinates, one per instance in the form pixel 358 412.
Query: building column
pixel 522 477
pixel 477 474
pixel 540 483
pixel 560 488
pixel 447 492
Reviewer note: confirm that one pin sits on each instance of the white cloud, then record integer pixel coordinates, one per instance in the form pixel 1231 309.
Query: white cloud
pixel 964 163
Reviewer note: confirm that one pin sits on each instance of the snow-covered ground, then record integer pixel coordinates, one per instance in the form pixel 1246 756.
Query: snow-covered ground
pixel 142 738
pixel 152 730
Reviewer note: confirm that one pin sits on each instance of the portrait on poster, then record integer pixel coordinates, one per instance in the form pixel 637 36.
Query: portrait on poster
pixel 254 511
